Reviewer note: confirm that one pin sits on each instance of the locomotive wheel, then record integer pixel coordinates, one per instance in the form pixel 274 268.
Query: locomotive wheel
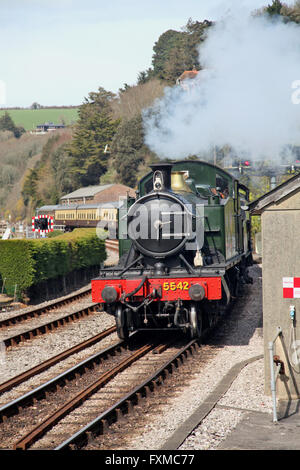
pixel 121 323
pixel 195 317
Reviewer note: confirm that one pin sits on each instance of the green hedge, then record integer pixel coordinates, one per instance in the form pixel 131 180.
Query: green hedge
pixel 28 262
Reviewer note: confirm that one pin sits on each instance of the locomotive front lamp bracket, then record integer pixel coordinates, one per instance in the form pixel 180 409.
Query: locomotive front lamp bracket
pixel 158 181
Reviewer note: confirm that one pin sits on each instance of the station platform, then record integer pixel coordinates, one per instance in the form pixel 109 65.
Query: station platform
pixel 257 431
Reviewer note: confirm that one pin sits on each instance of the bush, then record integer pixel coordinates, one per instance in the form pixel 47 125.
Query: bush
pixel 28 262
pixel 55 233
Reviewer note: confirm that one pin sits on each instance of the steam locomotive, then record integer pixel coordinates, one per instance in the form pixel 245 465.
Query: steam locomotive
pixel 185 248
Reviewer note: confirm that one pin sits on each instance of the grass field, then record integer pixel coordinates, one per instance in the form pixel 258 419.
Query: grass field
pixel 30 118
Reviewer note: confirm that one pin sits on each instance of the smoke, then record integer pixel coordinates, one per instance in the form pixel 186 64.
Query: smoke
pixel 247 96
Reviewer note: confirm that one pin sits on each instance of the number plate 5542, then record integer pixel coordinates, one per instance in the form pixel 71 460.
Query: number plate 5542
pixel 176 285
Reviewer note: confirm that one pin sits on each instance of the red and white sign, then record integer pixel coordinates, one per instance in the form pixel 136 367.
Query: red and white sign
pixel 291 287
pixel 50 223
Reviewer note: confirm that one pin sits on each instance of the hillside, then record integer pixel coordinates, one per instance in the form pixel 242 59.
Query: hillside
pixel 30 118
pixel 21 159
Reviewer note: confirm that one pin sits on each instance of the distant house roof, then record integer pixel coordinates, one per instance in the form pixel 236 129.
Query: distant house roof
pixel 275 196
pixel 187 74
pixel 50 124
pixel 88 191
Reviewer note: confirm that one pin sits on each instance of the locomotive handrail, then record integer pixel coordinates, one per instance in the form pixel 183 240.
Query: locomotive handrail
pixel 131 265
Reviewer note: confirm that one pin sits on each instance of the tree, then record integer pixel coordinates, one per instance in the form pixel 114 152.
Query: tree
pixel 291 13
pixel 195 34
pixel 177 51
pixel 179 61
pixel 35 105
pixel 93 131
pixel 132 102
pixel 275 8
pixel 142 78
pixel 128 151
pixel 125 88
pixel 7 124
pixel 29 191
pixel 50 178
pixel 145 76
pixel 166 42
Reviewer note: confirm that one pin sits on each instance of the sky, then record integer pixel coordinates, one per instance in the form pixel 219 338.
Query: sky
pixel 58 51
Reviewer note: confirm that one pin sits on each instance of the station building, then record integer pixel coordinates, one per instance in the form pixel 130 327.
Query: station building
pixel 86 206
pixel 97 194
pixel 280 219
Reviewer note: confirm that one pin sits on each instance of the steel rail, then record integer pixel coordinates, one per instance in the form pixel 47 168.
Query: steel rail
pixel 14 381
pixel 48 423
pixel 37 311
pixel 47 327
pixel 14 407
pixel 100 424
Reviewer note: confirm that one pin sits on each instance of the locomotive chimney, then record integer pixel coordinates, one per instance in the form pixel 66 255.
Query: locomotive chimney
pixel 161 176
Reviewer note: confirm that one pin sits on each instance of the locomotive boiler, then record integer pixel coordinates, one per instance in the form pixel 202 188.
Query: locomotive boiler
pixel 184 250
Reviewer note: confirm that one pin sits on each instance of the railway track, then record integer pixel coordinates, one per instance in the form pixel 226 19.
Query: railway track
pixel 23 410
pixel 42 309
pixel 57 388
pixel 88 437
pixel 125 405
pixel 12 330
pixel 82 416
pixel 26 400
pixel 17 380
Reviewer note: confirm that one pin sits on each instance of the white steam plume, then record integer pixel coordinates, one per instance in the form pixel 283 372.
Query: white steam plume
pixel 243 98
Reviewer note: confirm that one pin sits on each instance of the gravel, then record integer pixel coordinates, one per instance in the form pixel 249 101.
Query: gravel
pixel 240 339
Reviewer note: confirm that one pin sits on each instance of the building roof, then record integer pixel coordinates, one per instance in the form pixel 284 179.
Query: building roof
pixel 88 191
pixel 47 208
pixel 275 196
pixel 65 207
pixel 188 74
